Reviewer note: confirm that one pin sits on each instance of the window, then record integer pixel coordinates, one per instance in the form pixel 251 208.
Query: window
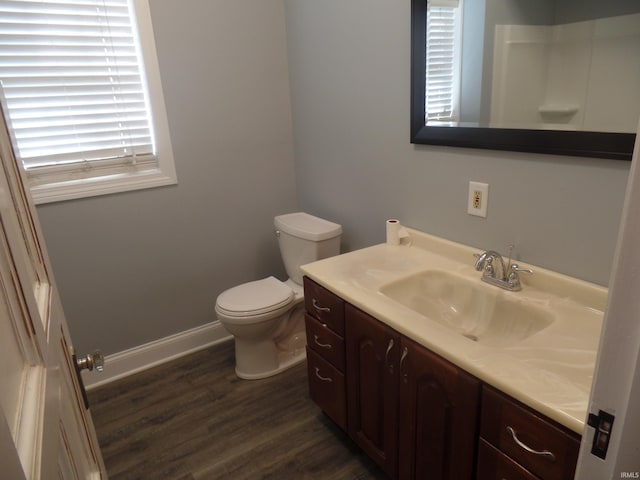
pixel 85 112
pixel 442 99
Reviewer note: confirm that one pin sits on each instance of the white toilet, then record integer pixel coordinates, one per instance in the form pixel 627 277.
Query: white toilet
pixel 266 317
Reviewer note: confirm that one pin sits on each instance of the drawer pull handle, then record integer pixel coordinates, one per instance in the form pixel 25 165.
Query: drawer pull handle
pixel 324 379
pixel 545 453
pixel 321 345
pixel 314 302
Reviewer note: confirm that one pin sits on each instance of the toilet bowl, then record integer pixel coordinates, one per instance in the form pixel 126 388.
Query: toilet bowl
pixel 266 317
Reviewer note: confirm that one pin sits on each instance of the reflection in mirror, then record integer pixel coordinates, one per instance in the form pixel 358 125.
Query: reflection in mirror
pixel 551 76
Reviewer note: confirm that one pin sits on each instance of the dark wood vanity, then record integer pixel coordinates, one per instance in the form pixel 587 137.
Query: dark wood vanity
pixel 417 415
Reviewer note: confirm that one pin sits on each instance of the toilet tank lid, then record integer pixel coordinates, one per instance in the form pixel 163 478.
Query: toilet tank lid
pixel 307 226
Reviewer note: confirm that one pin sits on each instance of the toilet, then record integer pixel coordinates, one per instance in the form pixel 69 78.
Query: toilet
pixel 266 317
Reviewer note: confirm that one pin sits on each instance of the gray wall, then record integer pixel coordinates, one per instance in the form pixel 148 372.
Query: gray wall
pixel 579 10
pixel 349 69
pixel 139 266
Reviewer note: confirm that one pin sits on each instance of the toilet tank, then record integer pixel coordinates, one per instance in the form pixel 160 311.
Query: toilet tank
pixel 304 238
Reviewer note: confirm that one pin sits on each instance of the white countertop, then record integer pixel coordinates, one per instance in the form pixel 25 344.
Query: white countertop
pixel 551 371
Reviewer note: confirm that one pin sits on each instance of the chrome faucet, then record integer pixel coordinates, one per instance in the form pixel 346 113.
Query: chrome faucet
pixel 496 272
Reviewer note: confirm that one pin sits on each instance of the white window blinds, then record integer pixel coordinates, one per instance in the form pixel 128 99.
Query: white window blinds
pixel 444 19
pixel 73 83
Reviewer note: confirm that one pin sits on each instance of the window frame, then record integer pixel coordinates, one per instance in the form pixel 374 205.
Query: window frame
pixel 456 62
pixel 67 182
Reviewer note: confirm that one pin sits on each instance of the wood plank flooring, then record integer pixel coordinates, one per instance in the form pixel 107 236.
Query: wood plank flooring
pixel 193 419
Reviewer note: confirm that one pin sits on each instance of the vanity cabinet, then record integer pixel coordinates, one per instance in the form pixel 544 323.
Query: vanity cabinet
pixel 324 322
pixel 514 438
pixel 417 415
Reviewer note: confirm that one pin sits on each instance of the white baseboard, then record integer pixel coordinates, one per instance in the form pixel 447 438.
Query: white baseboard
pixel 142 357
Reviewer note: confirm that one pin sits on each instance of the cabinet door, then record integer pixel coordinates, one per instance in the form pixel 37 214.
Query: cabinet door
pixel 372 387
pixel 439 405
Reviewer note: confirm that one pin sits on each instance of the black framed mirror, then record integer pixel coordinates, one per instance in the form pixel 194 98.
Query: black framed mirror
pixel 559 136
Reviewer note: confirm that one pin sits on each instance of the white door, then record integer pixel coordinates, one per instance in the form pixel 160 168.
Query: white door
pixel 616 383
pixel 45 430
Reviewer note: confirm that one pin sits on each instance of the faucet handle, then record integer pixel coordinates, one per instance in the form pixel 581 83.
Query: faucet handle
pixel 516 269
pixel 514 278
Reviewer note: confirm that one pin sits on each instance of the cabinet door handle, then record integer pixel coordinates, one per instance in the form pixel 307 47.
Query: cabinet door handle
pixel 386 355
pixel 405 352
pixel 319 308
pixel 324 379
pixel 321 345
pixel 544 453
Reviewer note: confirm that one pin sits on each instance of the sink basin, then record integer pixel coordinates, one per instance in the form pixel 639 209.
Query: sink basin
pixel 481 313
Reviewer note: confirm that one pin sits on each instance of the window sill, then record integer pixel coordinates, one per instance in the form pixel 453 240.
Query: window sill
pixel 102 185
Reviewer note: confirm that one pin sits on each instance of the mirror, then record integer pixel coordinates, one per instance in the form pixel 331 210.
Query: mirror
pixel 550 76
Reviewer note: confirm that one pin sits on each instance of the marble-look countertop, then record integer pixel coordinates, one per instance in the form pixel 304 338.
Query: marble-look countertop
pixel 551 371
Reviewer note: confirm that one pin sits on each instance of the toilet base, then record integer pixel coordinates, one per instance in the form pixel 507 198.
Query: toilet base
pixel 285 360
pixel 267 348
pixel 264 358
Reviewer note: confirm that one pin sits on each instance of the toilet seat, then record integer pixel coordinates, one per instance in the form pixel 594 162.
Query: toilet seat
pixel 255 298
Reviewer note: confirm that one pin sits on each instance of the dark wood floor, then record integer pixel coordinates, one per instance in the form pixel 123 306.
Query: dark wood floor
pixel 194 419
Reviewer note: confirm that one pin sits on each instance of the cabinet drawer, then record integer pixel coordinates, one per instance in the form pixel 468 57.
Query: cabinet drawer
pixel 325 306
pixel 495 465
pixel 325 342
pixel 327 388
pixel 520 433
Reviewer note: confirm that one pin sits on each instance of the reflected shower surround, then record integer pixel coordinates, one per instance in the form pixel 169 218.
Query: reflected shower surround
pixel 577 76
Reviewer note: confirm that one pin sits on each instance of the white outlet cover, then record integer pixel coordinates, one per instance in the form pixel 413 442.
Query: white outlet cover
pixel 481 190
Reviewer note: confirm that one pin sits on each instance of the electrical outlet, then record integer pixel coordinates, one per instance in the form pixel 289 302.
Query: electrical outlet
pixel 478 198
